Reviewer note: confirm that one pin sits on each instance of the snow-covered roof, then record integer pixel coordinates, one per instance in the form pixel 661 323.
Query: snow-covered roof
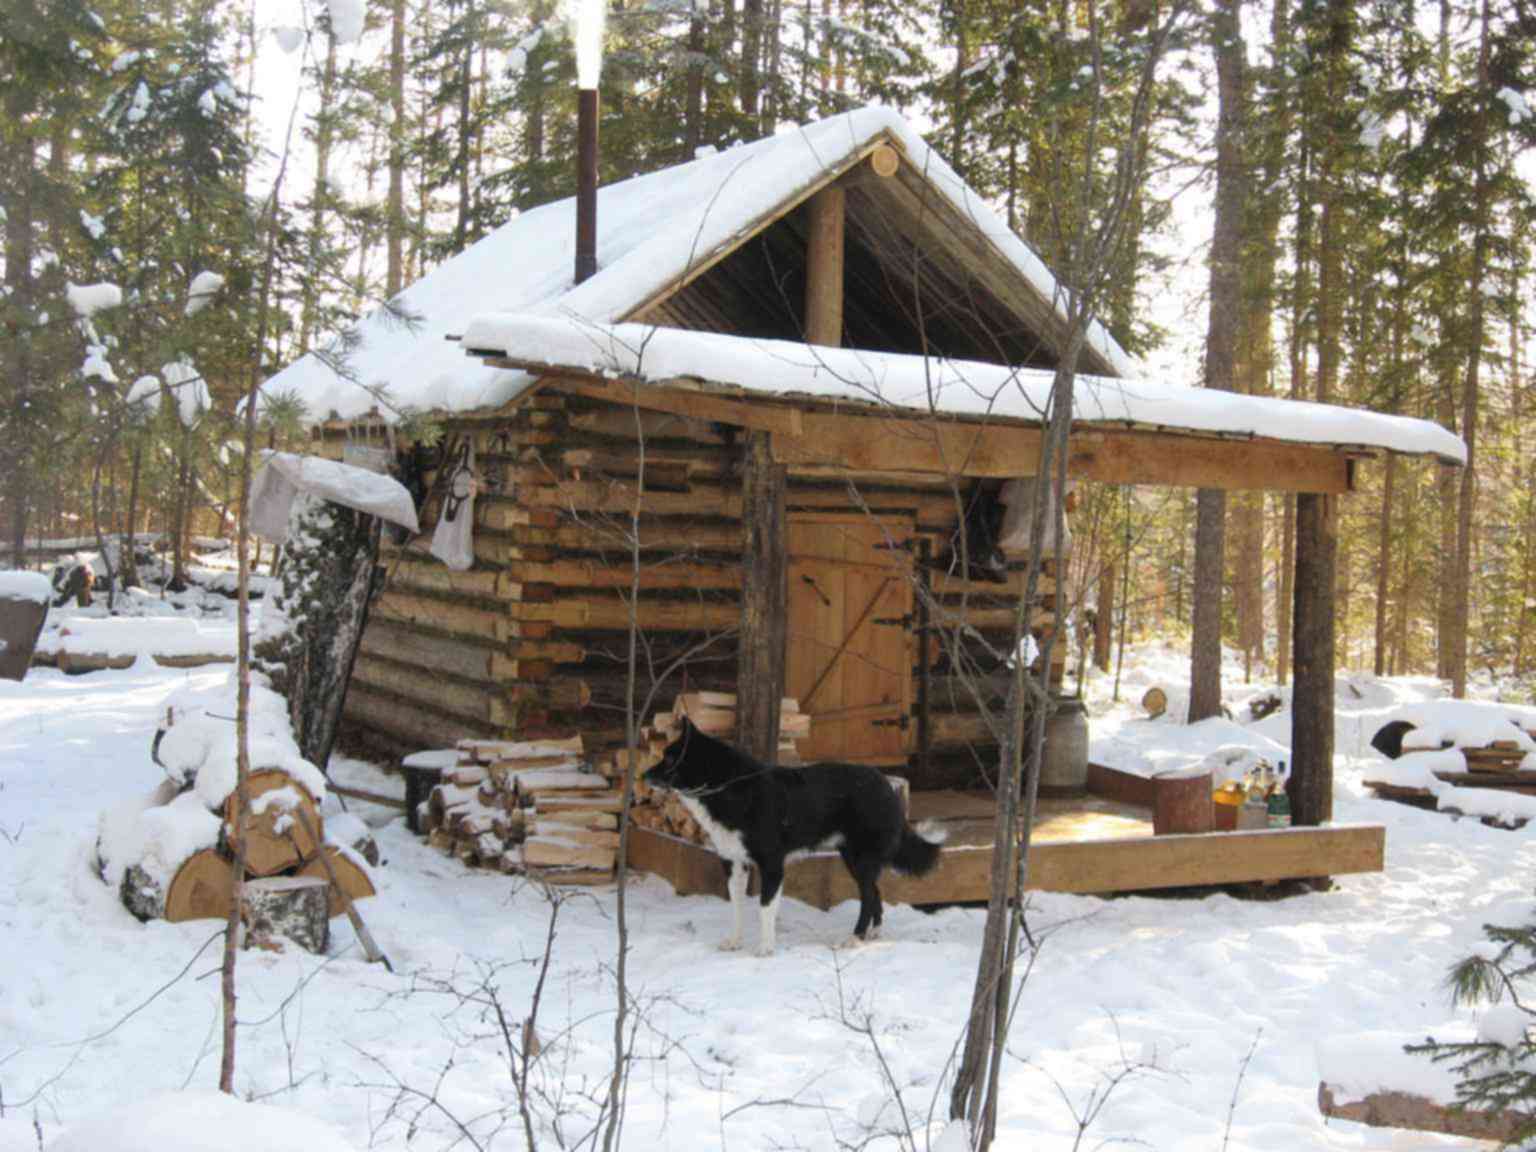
pixel 955 387
pixel 652 230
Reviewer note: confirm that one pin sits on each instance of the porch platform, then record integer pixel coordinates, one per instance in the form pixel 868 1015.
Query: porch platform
pixel 1084 844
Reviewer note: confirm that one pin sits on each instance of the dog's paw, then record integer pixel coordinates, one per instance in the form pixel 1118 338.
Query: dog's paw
pixel 731 944
pixel 873 933
pixel 851 943
pixel 763 950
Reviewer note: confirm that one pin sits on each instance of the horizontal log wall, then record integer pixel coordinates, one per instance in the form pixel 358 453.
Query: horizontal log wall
pixel 534 638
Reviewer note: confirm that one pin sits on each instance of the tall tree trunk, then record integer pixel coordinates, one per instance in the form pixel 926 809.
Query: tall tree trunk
pixel 394 275
pixel 324 134
pixel 1103 618
pixel 1220 351
pixel 130 559
pixel 750 81
pixel 465 131
pixel 693 113
pixel 1481 197
pixel 19 287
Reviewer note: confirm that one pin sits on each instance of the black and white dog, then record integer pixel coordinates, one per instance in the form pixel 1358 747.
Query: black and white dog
pixel 759 815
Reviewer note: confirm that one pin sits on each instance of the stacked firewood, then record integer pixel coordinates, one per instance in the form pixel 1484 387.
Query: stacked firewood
pixel 551 807
pixel 540 807
pixel 713 713
pixel 1500 756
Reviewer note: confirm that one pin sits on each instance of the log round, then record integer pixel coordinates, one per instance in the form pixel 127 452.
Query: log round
pixel 269 851
pixel 141 894
pixel 1155 702
pixel 201 888
pixel 1182 804
pixel 291 906
pixel 354 881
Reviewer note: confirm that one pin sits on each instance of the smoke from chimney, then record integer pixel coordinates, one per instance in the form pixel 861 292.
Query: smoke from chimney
pixel 588 33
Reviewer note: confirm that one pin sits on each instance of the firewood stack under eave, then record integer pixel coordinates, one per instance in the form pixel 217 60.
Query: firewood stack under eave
pixel 714 714
pixel 550 807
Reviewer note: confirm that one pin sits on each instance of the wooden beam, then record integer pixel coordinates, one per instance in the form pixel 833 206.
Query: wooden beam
pixel 1311 785
pixel 877 443
pixel 764 601
pixel 824 268
pixel 1188 461
pixel 1083 866
pixel 886 443
pixel 662 397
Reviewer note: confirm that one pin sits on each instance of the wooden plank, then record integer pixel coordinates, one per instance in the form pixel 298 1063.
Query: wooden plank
pixel 1174 460
pixel 878 443
pixel 673 397
pixel 824 267
pixel 1087 867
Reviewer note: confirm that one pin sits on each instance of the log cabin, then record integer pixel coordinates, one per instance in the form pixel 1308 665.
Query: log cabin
pixel 797 367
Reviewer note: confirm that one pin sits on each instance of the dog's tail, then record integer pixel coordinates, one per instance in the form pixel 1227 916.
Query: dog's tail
pixel 918 851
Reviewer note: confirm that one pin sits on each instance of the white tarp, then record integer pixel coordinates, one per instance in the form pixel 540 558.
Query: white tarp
pixel 284 475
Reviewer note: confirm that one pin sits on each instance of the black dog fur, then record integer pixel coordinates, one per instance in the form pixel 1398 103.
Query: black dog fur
pixel 760 815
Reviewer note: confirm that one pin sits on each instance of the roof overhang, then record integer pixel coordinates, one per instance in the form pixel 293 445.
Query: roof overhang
pixel 832 408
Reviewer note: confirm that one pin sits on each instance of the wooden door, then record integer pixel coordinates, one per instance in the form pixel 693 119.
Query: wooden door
pixel 849 651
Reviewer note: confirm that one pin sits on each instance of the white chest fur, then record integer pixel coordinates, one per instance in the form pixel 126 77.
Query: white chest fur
pixel 727 842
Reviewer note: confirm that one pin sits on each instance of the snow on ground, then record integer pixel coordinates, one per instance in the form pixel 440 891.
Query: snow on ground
pixel 98 1012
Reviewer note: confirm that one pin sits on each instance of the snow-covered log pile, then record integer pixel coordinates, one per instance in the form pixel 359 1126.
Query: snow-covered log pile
pixel 1470 757
pixel 171 854
pixel 23 608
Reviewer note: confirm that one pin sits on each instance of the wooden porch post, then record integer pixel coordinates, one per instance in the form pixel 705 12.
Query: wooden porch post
pixel 764 601
pixel 1311 784
pixel 824 268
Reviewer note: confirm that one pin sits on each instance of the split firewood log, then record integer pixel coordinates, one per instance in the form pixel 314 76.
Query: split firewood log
pixel 559 852
pixel 598 821
pixel 277 841
pixel 354 881
pixel 293 906
pixel 597 838
pixel 201 888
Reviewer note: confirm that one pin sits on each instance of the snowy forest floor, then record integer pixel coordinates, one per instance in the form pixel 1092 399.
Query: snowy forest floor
pixel 97 1010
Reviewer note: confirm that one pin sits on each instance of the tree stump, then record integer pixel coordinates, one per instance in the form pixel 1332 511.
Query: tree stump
pixel 291 906
pixel 201 888
pixel 277 841
pixel 354 881
pixel 21 622
pixel 1182 804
